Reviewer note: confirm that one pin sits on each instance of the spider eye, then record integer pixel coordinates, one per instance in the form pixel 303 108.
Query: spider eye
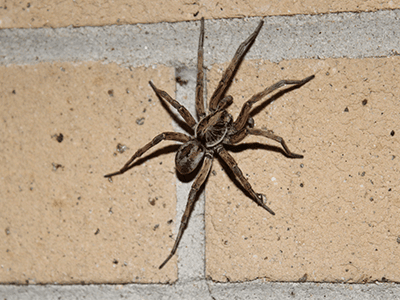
pixel 189 156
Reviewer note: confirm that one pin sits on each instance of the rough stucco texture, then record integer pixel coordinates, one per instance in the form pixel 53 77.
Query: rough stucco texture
pixel 56 13
pixel 337 209
pixel 61 221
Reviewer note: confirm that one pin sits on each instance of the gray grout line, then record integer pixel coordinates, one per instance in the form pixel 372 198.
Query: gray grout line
pixel 334 35
pixel 197 290
pixel 291 291
pixel 191 260
pixel 351 35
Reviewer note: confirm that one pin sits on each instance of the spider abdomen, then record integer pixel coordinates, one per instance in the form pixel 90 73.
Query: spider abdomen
pixel 189 156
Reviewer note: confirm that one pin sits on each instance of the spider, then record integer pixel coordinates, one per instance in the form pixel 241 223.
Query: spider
pixel 213 130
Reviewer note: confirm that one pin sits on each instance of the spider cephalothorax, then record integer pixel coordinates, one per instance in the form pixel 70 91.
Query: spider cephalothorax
pixel 213 130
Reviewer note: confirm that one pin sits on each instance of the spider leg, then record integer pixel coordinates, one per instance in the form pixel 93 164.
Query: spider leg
pixel 240 135
pixel 172 136
pixel 225 102
pixel 244 113
pixel 229 72
pixel 200 74
pixel 270 135
pixel 180 108
pixel 230 161
pixel 235 137
pixel 198 182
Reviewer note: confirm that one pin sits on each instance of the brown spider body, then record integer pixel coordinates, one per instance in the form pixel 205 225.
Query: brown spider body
pixel 213 131
pixel 189 156
pixel 209 132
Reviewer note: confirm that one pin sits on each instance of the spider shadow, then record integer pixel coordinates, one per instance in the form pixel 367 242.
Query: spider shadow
pixel 166 150
pixel 255 146
pixel 191 176
pixel 182 177
pixel 243 147
pixel 272 98
pixel 175 116
pixel 265 103
pixel 262 104
pixel 228 84
pixel 186 178
pixel 161 151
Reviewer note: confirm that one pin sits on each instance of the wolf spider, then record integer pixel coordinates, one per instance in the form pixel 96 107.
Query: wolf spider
pixel 214 129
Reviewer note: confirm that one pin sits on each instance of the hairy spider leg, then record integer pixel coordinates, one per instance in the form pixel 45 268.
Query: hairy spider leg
pixel 230 161
pixel 200 74
pixel 240 135
pixel 225 102
pixel 270 135
pixel 230 70
pixel 180 108
pixel 198 182
pixel 241 120
pixel 172 136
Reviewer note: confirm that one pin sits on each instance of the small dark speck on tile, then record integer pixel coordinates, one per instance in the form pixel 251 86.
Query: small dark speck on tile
pixel 152 201
pixel 392 133
pixel 303 278
pixel 140 121
pixel 181 81
pixel 57 166
pixel 60 138
pixel 346 109
pixel 121 148
pixel 364 102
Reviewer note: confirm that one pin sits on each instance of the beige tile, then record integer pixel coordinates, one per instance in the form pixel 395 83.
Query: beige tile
pixel 52 13
pixel 61 221
pixel 337 210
